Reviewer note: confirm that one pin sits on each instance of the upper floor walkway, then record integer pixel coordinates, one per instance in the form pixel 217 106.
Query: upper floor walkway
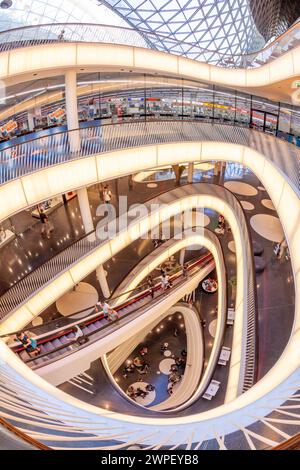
pixel 97 33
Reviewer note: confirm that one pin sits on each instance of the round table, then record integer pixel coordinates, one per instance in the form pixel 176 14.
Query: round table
pixel 83 297
pixel 231 246
pixel 148 398
pixel 212 328
pixel 209 289
pixel 38 321
pixel 165 365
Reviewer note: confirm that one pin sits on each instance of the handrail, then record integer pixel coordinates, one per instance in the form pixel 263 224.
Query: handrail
pixel 24 437
pixel 290 444
pixel 58 32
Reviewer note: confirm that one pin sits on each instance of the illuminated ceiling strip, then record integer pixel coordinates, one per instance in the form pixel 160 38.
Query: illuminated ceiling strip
pixel 55 59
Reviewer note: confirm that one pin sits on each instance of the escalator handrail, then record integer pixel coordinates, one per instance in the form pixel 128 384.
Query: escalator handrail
pixel 95 316
pixel 208 259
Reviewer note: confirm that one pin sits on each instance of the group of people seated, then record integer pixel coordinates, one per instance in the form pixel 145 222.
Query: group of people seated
pixel 134 393
pixel 210 285
pixel 138 364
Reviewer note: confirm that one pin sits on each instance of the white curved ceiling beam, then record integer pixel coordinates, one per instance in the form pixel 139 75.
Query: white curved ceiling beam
pixel 51 60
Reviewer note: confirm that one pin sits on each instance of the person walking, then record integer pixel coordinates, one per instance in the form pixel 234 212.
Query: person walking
pixel 150 285
pixel 105 308
pixel 46 227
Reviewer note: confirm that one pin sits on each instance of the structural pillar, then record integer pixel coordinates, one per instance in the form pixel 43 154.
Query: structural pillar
pixel 30 119
pixel 72 110
pixel 217 169
pixel 86 214
pixel 190 172
pixel 101 276
pixel 182 256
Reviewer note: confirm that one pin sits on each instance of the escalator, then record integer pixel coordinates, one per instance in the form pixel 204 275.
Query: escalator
pixel 62 342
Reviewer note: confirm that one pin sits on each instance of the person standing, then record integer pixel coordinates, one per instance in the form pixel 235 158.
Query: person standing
pixel 107 195
pixel 79 336
pixel 185 271
pixel 105 308
pixel 165 282
pixel 282 248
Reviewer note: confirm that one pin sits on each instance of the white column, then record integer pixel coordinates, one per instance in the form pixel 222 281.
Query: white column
pixel 182 256
pixel 72 109
pixel 216 169
pixel 86 214
pixel 30 119
pixel 101 276
pixel 190 172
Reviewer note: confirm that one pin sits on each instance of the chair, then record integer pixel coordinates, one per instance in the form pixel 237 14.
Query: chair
pixel 207 396
pixel 221 362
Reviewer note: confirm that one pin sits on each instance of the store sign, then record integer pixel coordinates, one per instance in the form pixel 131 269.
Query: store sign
pixel 9 127
pixel 57 115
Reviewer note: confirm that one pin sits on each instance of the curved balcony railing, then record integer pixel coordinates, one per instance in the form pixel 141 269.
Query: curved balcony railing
pixel 78 32
pixel 52 422
pixel 39 153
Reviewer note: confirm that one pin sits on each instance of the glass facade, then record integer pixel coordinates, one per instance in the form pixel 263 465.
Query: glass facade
pixel 108 97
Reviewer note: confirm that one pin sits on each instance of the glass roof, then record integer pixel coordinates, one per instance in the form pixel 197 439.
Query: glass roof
pixel 225 26
pixel 35 12
pixel 185 27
